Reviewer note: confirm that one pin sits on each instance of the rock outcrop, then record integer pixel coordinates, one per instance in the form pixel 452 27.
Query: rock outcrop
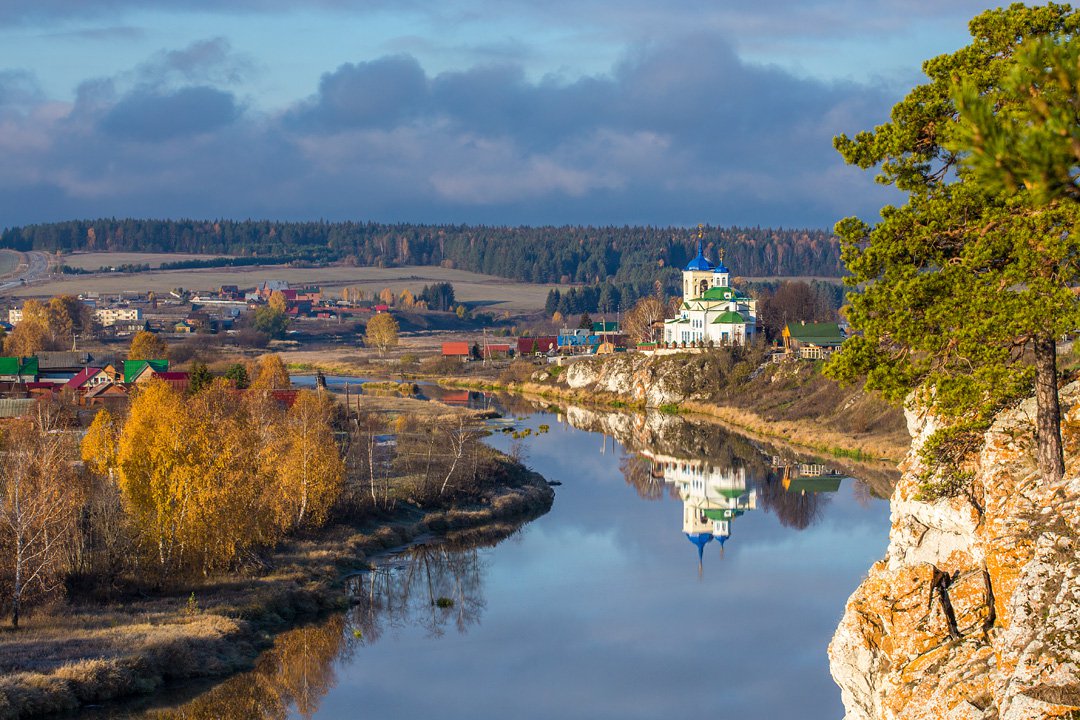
pixel 974 613
pixel 639 378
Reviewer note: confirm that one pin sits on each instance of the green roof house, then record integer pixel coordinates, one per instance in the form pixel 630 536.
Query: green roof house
pixel 812 341
pixel 134 368
pixel 14 369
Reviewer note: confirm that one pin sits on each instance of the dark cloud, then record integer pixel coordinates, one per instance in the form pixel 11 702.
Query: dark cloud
pixel 149 116
pixel 380 93
pixel 679 132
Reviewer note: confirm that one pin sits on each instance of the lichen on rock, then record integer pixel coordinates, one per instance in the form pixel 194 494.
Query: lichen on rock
pixel 974 613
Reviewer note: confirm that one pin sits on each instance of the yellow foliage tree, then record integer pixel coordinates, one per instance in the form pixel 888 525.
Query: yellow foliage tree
pixel 147 346
pixel 191 479
pixel 407 299
pixel 387 296
pixel 32 333
pixel 278 302
pixel 100 443
pixel 310 472
pixel 381 331
pixel 270 373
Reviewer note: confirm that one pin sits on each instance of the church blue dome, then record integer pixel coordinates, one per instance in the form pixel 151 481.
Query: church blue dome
pixel 699 262
pixel 721 268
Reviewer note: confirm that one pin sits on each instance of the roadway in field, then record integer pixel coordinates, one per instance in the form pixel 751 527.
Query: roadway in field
pixel 28 267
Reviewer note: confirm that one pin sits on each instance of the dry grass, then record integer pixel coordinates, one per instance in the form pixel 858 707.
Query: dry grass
pixel 492 293
pixel 9 261
pixel 95 260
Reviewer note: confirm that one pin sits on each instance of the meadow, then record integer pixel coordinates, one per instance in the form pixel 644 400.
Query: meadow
pixel 489 292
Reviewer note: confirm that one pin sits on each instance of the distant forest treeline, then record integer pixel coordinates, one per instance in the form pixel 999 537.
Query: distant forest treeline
pixel 623 255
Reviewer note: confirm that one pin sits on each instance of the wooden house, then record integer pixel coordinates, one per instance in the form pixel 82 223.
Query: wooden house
pixel 812 341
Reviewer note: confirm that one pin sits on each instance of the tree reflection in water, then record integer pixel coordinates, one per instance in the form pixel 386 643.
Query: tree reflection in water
pixel 798 510
pixel 298 671
pixel 430 585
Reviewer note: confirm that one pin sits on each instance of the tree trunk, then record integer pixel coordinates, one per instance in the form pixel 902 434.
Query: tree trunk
pixel 1048 414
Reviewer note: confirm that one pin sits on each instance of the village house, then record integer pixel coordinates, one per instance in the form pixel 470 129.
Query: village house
pixel 459 350
pixel 812 341
pixel 711 313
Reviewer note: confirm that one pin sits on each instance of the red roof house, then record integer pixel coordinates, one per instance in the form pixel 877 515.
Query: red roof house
pixel 456 349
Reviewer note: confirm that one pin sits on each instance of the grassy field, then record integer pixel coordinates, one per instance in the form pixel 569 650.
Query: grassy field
pixel 9 260
pixel 92 261
pixel 495 293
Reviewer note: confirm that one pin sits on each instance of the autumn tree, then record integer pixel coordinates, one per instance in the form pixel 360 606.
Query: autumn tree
pixel 40 498
pixel 48 326
pixel 310 472
pixel 381 331
pixel 640 321
pixel 148 346
pixel 967 286
pixel 270 373
pixel 32 333
pixel 278 302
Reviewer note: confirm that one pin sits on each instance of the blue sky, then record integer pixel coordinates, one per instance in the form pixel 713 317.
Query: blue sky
pixel 517 112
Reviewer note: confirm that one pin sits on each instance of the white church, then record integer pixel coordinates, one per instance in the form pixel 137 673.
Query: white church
pixel 711 310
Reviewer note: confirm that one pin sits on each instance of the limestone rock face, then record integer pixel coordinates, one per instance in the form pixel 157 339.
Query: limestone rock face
pixel 1006 558
pixel 654 381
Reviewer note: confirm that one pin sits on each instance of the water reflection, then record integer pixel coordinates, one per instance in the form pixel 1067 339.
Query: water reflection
pixel 716 474
pixel 430 585
pixel 573 619
pixel 297 672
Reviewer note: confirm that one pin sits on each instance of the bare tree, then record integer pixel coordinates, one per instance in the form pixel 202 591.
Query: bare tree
pixel 40 496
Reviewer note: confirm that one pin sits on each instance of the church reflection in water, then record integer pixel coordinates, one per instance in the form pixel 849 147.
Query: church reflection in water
pixel 715 494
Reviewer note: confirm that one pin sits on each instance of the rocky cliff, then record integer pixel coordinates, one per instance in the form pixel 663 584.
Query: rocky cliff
pixel 974 613
pixel 790 400
pixel 635 376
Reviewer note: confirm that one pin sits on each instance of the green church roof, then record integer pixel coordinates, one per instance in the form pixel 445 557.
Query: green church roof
pixel 729 318
pixel 718 293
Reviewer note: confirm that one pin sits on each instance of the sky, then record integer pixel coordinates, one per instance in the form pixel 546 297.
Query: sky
pixel 514 112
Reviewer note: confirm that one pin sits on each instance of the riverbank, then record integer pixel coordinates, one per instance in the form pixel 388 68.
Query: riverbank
pixel 791 403
pixel 86 653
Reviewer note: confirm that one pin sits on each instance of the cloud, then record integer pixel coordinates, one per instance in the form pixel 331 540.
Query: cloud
pixel 152 116
pixel 680 131
pixel 379 93
pixel 18 88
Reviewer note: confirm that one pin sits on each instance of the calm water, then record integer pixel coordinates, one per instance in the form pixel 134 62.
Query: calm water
pixel 682 572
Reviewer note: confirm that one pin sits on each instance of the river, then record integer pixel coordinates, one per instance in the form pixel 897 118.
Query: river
pixel 683 572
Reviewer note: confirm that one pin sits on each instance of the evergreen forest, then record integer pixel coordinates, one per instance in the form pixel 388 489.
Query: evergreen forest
pixel 626 256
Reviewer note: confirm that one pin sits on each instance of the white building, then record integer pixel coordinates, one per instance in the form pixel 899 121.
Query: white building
pixel 107 317
pixel 711 310
pixel 15 316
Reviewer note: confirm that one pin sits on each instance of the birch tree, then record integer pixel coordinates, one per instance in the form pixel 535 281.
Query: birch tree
pixel 40 496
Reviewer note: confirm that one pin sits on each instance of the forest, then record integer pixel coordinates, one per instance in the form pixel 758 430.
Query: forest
pixel 624 256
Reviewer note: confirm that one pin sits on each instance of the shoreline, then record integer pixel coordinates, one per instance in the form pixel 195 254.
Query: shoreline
pixel 791 432
pixel 218 629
